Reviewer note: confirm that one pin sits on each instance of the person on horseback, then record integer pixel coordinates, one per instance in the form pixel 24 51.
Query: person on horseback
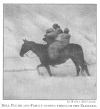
pixel 64 37
pixel 52 33
pixel 57 40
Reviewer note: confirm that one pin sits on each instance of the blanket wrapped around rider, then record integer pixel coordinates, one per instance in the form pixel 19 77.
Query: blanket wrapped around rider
pixel 56 40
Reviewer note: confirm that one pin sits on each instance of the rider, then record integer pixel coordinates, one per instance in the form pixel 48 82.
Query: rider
pixel 64 37
pixel 49 36
pixel 52 33
pixel 59 40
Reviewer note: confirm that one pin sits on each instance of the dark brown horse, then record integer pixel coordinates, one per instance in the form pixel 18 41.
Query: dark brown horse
pixel 71 51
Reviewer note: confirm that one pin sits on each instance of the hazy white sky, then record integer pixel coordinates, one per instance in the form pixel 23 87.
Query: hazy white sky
pixel 26 18
pixel 31 22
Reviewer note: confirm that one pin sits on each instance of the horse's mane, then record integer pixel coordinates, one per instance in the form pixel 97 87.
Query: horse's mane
pixel 39 46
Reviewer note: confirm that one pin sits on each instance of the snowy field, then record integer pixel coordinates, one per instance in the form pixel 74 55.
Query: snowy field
pixel 22 82
pixel 21 79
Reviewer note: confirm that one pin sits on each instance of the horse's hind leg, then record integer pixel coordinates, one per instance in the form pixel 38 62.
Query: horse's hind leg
pixel 84 67
pixel 77 67
pixel 48 69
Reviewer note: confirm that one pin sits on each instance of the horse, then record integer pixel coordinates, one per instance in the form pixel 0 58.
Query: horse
pixel 71 51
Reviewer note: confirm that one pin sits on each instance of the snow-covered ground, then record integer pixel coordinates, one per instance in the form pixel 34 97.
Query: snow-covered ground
pixel 21 80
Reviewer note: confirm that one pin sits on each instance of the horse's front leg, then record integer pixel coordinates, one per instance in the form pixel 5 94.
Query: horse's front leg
pixel 48 69
pixel 38 69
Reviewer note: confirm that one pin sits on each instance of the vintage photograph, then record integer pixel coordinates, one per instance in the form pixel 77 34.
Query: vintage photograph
pixel 49 51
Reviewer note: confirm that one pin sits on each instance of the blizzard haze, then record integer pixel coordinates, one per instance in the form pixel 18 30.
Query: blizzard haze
pixel 21 80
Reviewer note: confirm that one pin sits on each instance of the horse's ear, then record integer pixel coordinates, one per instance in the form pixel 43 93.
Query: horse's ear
pixel 23 40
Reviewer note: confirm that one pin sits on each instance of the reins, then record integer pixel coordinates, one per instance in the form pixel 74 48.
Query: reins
pixel 27 54
pixel 42 42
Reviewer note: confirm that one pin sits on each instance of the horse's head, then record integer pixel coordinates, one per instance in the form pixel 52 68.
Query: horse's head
pixel 34 47
pixel 25 47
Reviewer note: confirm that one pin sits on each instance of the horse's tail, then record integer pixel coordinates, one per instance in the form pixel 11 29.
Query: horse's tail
pixel 86 63
pixel 85 68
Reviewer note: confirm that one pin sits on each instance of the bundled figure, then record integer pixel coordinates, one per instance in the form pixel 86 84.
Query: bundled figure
pixel 52 33
pixel 56 40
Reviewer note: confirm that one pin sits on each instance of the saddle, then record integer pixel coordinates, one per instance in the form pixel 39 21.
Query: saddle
pixel 56 49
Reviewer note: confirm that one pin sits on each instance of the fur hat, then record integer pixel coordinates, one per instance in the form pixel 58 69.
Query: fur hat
pixel 55 26
pixel 49 30
pixel 66 30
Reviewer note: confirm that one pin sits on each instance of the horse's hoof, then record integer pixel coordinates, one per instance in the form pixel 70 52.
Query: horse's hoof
pixel 41 74
pixel 50 75
pixel 89 75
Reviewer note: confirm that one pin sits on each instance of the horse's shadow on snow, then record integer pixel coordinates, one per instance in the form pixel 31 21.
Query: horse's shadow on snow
pixel 61 73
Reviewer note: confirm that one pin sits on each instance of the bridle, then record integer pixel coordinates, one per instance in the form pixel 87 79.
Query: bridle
pixel 28 55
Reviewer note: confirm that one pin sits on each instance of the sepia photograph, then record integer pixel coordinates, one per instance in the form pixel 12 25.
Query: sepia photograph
pixel 49 51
